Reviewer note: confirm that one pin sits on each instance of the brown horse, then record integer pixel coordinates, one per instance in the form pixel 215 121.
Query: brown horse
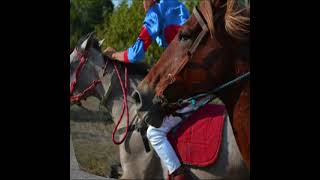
pixel 211 49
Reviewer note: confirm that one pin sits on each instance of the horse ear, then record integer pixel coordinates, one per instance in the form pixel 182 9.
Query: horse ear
pixel 88 42
pixel 101 42
pixel 84 45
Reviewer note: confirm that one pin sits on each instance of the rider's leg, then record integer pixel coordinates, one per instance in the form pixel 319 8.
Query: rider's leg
pixel 160 143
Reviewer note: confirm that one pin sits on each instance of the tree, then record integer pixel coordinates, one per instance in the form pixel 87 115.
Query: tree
pixel 85 15
pixel 123 29
pixel 190 4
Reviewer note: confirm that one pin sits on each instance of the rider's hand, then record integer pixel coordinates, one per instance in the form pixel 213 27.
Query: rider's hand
pixel 109 51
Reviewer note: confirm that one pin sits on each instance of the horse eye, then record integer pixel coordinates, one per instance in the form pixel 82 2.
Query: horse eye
pixel 184 35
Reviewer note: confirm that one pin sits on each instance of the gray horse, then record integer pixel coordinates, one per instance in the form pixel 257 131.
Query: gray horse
pixel 135 161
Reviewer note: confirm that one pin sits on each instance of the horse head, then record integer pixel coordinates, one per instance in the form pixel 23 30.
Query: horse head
pixel 86 66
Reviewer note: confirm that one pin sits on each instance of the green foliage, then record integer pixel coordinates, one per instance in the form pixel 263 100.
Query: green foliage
pixel 85 15
pixel 119 27
pixel 190 4
pixel 124 27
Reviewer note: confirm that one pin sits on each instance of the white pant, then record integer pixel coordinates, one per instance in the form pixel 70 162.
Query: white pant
pixel 160 143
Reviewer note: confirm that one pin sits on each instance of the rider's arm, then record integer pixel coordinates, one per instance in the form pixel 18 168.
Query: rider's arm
pixel 148 33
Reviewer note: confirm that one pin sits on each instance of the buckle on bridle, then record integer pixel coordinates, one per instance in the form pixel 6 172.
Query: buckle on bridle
pixel 171 78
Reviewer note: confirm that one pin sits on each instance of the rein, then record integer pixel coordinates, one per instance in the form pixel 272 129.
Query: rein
pixel 76 98
pixel 124 104
pixel 208 96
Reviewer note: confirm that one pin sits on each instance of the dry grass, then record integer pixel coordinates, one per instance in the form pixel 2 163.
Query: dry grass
pixel 91 135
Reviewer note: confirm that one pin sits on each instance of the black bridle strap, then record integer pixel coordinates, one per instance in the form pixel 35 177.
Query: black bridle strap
pixel 239 78
pixel 192 100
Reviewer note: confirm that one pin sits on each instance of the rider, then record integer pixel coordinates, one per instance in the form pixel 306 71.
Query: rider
pixel 161 23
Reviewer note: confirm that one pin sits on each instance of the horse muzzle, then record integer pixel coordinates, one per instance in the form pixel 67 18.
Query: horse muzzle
pixel 147 110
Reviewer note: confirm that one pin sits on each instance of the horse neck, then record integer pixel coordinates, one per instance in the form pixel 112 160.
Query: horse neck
pixel 237 101
pixel 232 97
pixel 115 98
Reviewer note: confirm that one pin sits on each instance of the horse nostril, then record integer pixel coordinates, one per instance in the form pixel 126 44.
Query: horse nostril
pixel 137 98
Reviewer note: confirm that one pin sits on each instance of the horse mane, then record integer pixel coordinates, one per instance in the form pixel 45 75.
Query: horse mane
pixel 94 42
pixel 137 68
pixel 237 18
pixel 95 45
pixel 81 40
pixel 133 68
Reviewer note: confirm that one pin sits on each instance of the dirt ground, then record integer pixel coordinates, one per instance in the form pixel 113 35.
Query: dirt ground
pixel 91 136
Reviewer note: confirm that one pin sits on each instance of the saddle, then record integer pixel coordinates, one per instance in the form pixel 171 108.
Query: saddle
pixel 197 139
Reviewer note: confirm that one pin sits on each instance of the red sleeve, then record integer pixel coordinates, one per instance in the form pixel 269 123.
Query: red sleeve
pixel 170 32
pixel 145 37
pixel 125 54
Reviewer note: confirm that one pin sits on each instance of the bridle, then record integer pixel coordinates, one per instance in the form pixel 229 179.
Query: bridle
pixel 201 35
pixel 171 77
pixel 83 57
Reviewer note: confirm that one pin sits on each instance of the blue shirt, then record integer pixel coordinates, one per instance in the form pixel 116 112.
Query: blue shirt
pixel 161 24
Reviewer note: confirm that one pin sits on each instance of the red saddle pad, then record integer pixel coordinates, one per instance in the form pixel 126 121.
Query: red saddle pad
pixel 197 141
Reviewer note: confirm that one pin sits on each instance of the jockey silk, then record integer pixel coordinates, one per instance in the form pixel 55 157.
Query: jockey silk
pixel 161 24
